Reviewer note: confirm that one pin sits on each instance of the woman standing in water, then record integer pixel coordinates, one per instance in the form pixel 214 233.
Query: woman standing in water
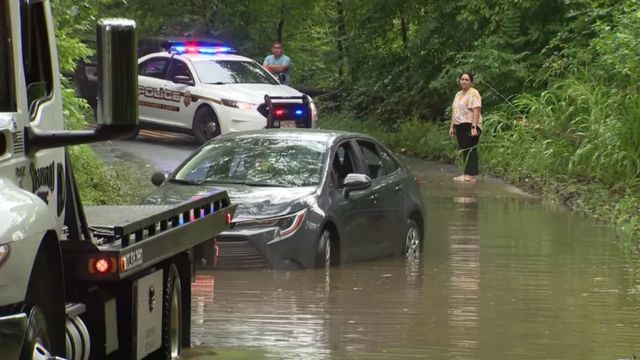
pixel 466 125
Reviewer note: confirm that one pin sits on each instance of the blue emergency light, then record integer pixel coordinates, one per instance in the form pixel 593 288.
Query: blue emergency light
pixel 197 48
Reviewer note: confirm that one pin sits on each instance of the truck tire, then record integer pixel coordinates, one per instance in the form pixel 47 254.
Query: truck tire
pixel 36 344
pixel 205 125
pixel 45 308
pixel 172 314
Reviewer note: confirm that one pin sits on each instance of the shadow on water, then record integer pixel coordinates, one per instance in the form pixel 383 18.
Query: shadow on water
pixel 501 277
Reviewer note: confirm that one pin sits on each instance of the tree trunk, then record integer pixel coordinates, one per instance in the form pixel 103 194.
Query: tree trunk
pixel 341 36
pixel 280 27
pixel 403 26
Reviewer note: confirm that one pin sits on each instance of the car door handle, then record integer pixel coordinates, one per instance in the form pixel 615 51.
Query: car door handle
pixel 398 188
pixel 373 198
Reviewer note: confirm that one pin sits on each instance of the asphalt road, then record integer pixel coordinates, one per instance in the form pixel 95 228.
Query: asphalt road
pixel 161 151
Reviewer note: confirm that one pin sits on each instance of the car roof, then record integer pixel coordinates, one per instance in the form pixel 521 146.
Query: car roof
pixel 322 135
pixel 200 57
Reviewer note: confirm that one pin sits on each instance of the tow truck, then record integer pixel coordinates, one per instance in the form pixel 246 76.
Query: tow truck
pixel 79 282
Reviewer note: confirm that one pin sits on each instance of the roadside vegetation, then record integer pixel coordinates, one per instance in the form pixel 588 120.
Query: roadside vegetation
pixel 97 182
pixel 559 79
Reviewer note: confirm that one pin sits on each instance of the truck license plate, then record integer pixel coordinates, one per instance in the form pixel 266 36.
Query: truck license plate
pixel 287 124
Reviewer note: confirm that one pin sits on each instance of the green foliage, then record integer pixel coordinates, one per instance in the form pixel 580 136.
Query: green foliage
pixel 100 184
pixel 74 22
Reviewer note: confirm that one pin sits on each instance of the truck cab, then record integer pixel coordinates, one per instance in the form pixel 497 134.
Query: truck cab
pixel 84 282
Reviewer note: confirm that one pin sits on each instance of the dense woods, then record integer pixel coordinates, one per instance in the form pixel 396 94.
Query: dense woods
pixel 559 78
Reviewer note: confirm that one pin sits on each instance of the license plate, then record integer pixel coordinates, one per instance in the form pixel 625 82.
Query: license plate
pixel 287 124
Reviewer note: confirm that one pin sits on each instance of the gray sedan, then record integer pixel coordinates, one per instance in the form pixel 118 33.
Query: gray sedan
pixel 307 198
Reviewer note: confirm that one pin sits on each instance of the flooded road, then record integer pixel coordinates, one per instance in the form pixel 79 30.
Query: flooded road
pixel 501 277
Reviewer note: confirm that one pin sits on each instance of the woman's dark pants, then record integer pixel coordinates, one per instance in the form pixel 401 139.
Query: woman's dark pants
pixel 469 146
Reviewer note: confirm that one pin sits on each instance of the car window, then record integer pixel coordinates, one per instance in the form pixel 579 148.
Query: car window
pixel 232 72
pixel 372 161
pixel 178 68
pixel 154 67
pixel 255 160
pixel 390 164
pixel 343 163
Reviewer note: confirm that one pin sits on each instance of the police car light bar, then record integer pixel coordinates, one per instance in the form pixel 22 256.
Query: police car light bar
pixel 200 49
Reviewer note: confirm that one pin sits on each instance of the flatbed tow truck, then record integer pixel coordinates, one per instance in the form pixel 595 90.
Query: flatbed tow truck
pixel 96 282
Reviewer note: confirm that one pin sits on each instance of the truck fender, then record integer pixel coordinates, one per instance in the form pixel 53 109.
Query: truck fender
pixel 26 219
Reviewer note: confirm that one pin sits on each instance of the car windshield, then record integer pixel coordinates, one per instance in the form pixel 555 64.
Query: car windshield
pixel 256 161
pixel 232 72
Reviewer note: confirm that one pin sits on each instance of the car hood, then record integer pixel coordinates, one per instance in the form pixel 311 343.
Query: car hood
pixel 252 93
pixel 253 202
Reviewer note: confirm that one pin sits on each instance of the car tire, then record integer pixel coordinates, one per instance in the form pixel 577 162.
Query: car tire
pixel 133 135
pixel 205 125
pixel 412 241
pixel 172 314
pixel 324 255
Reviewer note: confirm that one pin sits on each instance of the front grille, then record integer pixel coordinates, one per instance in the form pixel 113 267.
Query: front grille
pixel 239 255
pixel 18 142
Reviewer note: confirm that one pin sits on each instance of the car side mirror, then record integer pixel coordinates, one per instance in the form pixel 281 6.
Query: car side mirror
pixel 181 79
pixel 353 182
pixel 158 178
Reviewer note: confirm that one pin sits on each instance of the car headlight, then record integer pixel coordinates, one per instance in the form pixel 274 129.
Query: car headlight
pixel 4 253
pixel 287 224
pixel 239 104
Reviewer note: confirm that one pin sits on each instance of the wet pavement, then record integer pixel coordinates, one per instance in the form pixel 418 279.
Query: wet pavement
pixel 502 276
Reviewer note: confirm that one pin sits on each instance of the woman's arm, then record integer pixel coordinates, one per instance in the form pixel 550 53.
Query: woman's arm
pixel 475 118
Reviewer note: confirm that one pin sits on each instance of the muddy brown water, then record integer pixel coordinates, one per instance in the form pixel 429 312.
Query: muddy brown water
pixel 502 276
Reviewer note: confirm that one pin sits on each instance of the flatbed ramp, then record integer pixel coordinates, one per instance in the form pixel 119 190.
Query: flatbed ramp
pixel 134 237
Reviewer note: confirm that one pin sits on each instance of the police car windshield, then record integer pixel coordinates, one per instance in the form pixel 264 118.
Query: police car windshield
pixel 254 160
pixel 232 72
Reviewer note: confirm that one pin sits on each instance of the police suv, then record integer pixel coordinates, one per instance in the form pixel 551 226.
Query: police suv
pixel 208 90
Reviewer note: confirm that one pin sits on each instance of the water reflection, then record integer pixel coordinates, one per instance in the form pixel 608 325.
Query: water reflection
pixel 464 299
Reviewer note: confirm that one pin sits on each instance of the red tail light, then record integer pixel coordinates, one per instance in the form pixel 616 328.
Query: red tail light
pixel 228 218
pixel 102 265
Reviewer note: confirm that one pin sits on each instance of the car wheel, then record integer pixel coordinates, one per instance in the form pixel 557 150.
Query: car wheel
pixel 412 241
pixel 323 255
pixel 37 343
pixel 205 125
pixel 134 134
pixel 172 315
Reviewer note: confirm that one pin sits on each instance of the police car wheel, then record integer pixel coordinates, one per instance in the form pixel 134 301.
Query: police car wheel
pixel 205 125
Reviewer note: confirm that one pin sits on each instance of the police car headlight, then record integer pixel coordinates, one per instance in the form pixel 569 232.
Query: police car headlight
pixel 239 104
pixel 287 225
pixel 4 253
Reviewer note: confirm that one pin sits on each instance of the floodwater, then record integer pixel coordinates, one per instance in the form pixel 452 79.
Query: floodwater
pixel 502 276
